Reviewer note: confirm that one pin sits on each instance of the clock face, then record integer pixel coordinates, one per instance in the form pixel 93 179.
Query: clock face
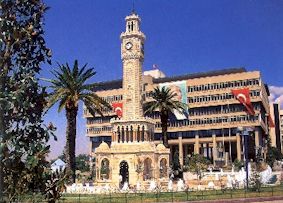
pixel 129 45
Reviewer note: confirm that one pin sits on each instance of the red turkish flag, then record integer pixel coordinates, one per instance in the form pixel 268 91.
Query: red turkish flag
pixel 118 109
pixel 243 96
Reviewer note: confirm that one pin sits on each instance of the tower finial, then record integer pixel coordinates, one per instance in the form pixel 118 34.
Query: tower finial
pixel 133 9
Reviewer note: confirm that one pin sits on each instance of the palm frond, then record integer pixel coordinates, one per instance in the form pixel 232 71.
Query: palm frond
pixel 69 86
pixel 62 103
pixel 164 100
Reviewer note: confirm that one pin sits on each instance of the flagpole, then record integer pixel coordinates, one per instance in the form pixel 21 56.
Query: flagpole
pixel 230 148
pixel 223 144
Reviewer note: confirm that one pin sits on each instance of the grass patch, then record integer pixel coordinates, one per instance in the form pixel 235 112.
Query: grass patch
pixel 160 197
pixel 173 196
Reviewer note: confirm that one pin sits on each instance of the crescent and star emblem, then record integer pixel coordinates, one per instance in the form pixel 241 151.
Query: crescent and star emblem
pixel 242 97
pixel 118 109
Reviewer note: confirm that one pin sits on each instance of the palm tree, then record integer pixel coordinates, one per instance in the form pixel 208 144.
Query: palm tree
pixel 164 101
pixel 68 88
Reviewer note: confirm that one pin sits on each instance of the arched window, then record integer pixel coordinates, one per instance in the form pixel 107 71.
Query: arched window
pixel 132 25
pixel 131 134
pixel 163 168
pixel 123 134
pixel 119 134
pixel 138 134
pixel 104 169
pixel 142 134
pixel 127 134
pixel 147 172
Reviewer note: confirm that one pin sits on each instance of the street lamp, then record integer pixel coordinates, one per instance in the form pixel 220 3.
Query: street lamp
pixel 245 132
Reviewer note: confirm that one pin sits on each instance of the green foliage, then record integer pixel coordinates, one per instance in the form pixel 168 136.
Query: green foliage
pixel 68 88
pixel 164 101
pixel 176 166
pixel 259 155
pixel 82 163
pixel 238 164
pixel 23 136
pixel 197 163
pixel 255 179
pixel 55 185
pixel 273 154
pixel 176 162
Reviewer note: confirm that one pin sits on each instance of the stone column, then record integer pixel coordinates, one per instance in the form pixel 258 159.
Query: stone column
pixel 181 156
pixel 256 140
pixel 171 154
pixel 207 150
pixel 214 153
pixel 239 152
pixel 90 147
pixel 98 170
pixel 145 135
pixel 114 137
pixel 134 135
pixel 196 151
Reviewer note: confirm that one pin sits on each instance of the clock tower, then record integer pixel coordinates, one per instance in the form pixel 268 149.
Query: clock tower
pixel 133 157
pixel 132 54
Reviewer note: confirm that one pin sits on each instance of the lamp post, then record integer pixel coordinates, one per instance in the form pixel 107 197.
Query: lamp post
pixel 245 132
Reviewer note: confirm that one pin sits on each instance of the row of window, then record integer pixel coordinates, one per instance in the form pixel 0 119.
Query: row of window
pixel 196 99
pixel 214 120
pixel 98 120
pixel 191 122
pixel 104 111
pixel 223 85
pixel 220 109
pixel 113 98
pixel 215 97
pixel 204 87
pixel 96 130
pixel 211 110
pixel 225 132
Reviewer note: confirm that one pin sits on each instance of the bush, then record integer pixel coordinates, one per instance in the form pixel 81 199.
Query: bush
pixel 55 185
pixel 273 154
pixel 196 164
pixel 238 164
pixel 255 180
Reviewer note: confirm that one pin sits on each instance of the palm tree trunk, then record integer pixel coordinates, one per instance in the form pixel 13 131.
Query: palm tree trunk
pixel 2 129
pixel 2 132
pixel 71 114
pixel 164 126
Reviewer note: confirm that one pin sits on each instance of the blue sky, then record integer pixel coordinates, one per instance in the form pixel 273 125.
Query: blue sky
pixel 183 36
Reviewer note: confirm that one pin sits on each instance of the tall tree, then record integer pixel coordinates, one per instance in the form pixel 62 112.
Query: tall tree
pixel 23 136
pixel 164 100
pixel 68 88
